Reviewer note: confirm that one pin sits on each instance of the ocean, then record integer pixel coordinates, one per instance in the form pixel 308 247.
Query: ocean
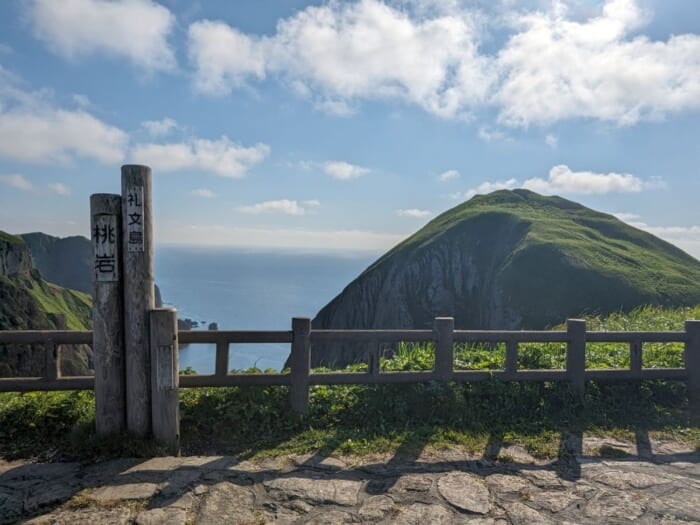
pixel 249 290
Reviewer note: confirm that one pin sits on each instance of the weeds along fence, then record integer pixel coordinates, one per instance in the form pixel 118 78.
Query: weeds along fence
pixel 300 377
pixel 135 345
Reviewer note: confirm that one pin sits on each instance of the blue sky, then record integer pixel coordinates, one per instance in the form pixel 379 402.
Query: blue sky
pixel 347 125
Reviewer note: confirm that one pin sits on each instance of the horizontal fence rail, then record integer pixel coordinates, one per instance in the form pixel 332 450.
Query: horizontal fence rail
pixel 443 336
pixel 52 378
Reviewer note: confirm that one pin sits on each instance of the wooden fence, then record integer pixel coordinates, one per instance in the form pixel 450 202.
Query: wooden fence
pixel 136 345
pixel 301 338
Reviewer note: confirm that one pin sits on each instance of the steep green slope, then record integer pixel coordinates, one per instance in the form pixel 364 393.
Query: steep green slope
pixel 513 259
pixel 28 302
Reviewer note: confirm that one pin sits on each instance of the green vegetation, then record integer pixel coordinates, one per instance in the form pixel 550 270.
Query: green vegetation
pixel 72 305
pixel 355 419
pixel 9 238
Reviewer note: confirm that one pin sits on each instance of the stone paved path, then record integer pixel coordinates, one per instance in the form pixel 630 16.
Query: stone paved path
pixel 445 487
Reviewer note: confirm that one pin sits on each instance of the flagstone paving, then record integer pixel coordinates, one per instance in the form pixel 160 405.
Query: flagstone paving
pixel 662 485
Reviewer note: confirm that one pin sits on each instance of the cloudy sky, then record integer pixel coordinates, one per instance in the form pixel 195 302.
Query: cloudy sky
pixel 347 124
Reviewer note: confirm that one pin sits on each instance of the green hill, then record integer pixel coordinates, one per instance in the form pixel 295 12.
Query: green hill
pixel 513 259
pixel 28 302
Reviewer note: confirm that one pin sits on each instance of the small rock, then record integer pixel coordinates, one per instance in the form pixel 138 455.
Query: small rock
pixel 184 502
pixel 546 479
pixel 375 507
pixel 614 505
pixel 622 480
pixel 520 514
pixel 465 491
pixel 315 491
pixel 412 483
pixel 167 516
pixel 681 503
pixel 115 516
pixel 301 506
pixel 421 514
pixel 330 517
pixel 128 491
pixel 553 501
pixel 506 483
pixel 226 503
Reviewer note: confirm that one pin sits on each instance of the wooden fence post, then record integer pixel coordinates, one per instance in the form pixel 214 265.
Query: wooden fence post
pixel 139 298
pixel 300 364
pixel 692 366
pixel 165 378
pixel 511 361
pixel 107 314
pixel 444 350
pixel 576 353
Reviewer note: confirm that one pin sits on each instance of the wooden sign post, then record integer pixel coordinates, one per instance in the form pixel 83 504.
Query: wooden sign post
pixel 139 299
pixel 164 378
pixel 108 317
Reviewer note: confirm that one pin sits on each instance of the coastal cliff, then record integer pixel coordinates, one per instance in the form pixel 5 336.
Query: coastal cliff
pixel 28 302
pixel 510 260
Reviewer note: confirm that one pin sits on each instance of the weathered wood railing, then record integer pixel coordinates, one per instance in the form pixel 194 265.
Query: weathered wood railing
pixel 443 335
pixel 52 378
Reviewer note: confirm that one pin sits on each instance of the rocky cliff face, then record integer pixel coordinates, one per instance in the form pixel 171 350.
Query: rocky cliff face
pixel 15 257
pixel 510 260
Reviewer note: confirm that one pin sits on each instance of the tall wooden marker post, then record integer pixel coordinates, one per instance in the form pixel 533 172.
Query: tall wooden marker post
pixel 108 315
pixel 139 298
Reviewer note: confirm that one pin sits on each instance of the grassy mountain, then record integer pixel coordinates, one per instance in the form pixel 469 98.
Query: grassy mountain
pixel 28 302
pixel 513 259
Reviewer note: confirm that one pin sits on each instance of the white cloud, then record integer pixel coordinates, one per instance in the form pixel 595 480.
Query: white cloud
pixel 562 180
pixel 159 128
pixel 552 66
pixel 204 193
pixel 226 235
pixel 555 68
pixel 488 187
pixel 552 141
pixel 448 175
pixel 365 49
pixel 283 206
pixel 221 157
pixel 33 130
pixel 337 108
pixel 223 56
pixel 413 212
pixel 488 134
pixel 133 29
pixel 82 101
pixel 627 217
pixel 313 203
pixel 16 181
pixel 59 188
pixel 342 170
pixel 57 135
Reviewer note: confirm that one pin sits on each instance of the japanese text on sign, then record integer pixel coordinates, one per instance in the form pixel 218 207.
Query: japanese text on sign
pixel 134 218
pixel 104 242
